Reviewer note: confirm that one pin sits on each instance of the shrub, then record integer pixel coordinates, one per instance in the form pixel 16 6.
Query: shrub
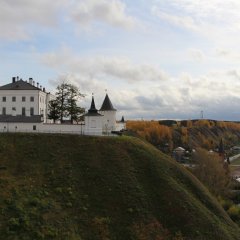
pixel 13 223
pixel 234 212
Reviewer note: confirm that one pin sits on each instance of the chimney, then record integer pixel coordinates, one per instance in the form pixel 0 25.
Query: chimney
pixel 17 78
pixel 33 83
pixel 30 81
pixel 37 85
pixel 44 89
pixel 13 79
pixel 41 87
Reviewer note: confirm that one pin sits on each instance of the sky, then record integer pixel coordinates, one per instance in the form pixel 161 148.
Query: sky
pixel 156 59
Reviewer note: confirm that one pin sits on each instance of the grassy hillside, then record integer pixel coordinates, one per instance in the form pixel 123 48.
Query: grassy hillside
pixel 73 187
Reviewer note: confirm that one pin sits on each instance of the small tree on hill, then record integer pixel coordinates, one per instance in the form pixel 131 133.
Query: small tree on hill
pixel 212 172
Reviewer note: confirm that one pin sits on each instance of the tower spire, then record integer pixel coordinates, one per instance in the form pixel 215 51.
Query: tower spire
pixel 92 107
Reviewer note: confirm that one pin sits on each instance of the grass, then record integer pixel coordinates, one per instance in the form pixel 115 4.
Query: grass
pixel 76 187
pixel 236 161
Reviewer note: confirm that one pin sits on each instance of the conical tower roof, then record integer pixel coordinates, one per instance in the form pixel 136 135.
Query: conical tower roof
pixel 107 105
pixel 92 108
pixel 92 111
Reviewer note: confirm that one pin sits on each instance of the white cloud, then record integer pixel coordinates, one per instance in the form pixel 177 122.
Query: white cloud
pixel 117 68
pixel 112 12
pixel 228 54
pixel 20 20
pixel 217 19
pixel 196 54
pixel 180 21
pixel 163 97
pixel 17 16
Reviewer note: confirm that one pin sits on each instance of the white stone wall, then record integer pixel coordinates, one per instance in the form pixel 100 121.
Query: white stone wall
pixel 80 128
pixel 93 124
pixel 108 121
pixel 49 128
pixel 120 126
pixel 18 127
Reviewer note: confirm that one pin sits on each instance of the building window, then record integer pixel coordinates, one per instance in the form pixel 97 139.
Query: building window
pixel 13 109
pixel 14 99
pixel 31 111
pixel 4 99
pixel 34 127
pixel 23 99
pixel 3 111
pixel 23 111
pixel 31 99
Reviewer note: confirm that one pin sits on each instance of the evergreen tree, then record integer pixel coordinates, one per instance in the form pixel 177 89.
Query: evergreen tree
pixel 54 112
pixel 62 95
pixel 65 104
pixel 73 111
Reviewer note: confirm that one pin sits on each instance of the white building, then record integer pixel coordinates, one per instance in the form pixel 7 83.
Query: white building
pixel 109 115
pixel 23 101
pixel 93 121
pixel 104 120
pixel 24 108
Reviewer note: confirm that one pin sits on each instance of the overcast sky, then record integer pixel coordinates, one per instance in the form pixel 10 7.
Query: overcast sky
pixel 158 59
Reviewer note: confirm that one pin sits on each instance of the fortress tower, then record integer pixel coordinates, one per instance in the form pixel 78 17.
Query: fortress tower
pixel 109 115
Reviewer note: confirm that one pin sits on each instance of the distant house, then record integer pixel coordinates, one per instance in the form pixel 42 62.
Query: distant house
pixel 178 153
pixel 179 149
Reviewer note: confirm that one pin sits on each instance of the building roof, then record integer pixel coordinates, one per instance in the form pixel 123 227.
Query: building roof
pixel 179 149
pixel 92 110
pixel 20 118
pixel 19 85
pixel 107 105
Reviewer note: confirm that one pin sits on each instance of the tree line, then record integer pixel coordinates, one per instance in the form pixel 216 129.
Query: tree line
pixel 64 106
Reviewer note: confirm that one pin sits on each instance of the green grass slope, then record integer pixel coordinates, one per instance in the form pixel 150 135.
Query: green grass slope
pixel 73 187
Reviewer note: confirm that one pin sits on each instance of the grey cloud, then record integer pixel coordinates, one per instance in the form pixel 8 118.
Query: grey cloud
pixel 112 12
pixel 100 67
pixel 163 97
pixel 18 16
pixel 150 102
pixel 217 20
pixel 196 54
pixel 20 20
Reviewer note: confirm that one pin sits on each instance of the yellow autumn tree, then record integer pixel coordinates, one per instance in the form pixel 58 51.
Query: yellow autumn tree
pixel 212 172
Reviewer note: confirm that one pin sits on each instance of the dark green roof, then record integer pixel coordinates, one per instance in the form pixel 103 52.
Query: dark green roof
pixel 19 85
pixel 107 105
